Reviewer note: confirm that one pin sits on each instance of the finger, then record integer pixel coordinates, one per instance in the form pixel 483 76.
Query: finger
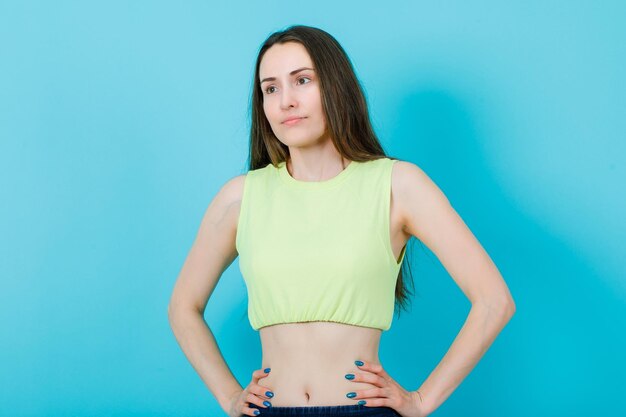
pixel 375 368
pixel 370 394
pixel 256 402
pixel 261 391
pixel 260 401
pixel 369 378
pixel 259 373
pixel 251 410
pixel 376 402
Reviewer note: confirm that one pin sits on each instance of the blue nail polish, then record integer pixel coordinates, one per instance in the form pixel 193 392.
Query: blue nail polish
pixel 267 403
pixel 349 376
pixel 358 363
pixel 362 402
pixel 267 370
pixel 257 412
pixel 269 394
pixel 351 394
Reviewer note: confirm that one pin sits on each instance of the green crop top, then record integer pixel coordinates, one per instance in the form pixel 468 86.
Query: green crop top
pixel 318 251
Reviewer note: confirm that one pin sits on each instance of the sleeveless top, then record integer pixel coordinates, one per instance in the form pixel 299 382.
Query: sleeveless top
pixel 318 251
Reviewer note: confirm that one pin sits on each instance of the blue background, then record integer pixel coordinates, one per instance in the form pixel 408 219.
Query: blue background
pixel 119 122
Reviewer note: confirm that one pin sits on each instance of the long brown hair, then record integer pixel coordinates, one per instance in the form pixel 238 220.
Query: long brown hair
pixel 344 107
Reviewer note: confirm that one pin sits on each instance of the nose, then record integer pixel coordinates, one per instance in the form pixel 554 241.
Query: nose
pixel 288 98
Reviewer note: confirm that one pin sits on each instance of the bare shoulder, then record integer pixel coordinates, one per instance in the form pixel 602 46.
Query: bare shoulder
pixel 220 218
pixel 409 177
pixel 416 194
pixel 232 190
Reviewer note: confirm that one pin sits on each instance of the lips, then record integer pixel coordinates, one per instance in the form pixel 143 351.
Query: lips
pixel 292 120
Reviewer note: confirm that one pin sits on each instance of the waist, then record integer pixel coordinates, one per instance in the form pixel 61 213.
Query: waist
pixel 309 362
pixel 328 411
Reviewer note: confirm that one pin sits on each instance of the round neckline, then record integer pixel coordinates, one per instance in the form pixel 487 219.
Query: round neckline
pixel 285 175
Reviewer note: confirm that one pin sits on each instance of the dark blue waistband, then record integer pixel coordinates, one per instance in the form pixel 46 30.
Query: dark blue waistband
pixel 328 411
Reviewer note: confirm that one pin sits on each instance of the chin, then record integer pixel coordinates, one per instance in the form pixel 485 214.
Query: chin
pixel 303 142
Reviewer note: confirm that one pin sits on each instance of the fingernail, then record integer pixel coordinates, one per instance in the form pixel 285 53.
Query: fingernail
pixel 358 363
pixel 351 394
pixel 361 402
pixel 269 394
pixel 267 370
pixel 267 403
pixel 349 376
pixel 257 412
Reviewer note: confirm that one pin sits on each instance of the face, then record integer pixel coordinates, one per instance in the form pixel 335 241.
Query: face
pixel 291 91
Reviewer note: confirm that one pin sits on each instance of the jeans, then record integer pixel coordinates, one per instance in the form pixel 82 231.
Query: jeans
pixel 328 411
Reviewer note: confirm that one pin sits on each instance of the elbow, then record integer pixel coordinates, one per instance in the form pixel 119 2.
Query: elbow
pixel 508 307
pixel 177 309
pixel 502 306
pixel 171 307
pixel 173 311
pixel 512 306
pixel 170 313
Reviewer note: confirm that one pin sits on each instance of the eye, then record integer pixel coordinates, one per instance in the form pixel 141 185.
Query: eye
pixel 303 78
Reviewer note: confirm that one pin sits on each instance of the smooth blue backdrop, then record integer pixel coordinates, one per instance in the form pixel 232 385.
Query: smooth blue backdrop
pixel 119 122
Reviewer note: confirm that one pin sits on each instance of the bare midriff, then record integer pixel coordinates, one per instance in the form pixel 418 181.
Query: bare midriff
pixel 309 362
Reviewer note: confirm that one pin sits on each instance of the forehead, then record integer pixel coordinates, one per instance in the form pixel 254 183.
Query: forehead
pixel 280 59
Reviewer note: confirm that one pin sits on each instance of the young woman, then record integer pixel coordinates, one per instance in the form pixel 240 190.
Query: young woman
pixel 320 224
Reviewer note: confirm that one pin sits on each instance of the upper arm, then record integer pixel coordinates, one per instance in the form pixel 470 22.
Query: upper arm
pixel 428 215
pixel 213 249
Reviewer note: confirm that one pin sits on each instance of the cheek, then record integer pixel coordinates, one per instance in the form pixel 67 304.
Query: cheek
pixel 317 105
pixel 268 112
pixel 319 111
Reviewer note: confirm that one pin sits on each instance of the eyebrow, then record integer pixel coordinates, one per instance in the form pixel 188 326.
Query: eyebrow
pixel 291 73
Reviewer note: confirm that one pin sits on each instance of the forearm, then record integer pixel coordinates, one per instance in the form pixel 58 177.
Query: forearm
pixel 479 331
pixel 199 345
